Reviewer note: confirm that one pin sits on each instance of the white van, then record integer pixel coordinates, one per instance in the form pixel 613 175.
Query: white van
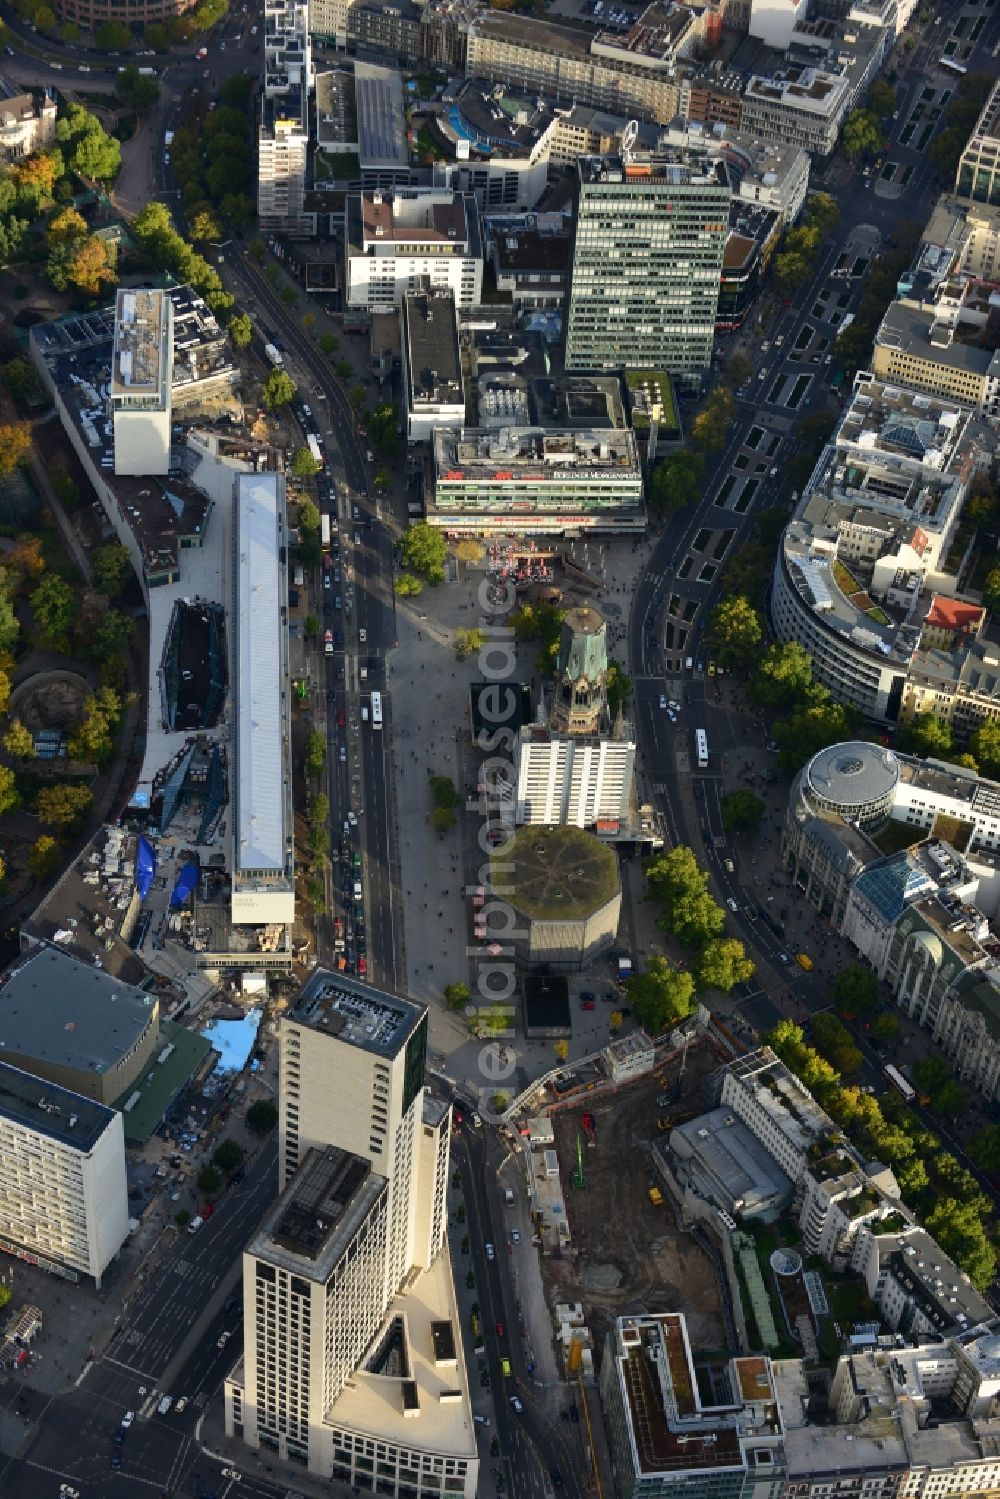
pixel 364 712
pixel 689 663
pixel 165 1404
pixel 195 1224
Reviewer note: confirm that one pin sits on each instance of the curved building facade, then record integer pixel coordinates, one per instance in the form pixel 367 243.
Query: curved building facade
pixel 856 781
pixel 92 13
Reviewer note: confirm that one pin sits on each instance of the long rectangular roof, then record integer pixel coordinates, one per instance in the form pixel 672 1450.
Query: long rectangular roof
pixel 260 768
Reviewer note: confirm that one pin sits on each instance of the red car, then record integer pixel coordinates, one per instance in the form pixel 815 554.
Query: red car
pixel 207 1210
pixel 588 1004
pixel 341 717
pixel 499 1329
pixel 362 964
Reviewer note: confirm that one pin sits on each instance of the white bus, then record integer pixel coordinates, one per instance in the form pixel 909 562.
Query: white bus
pixel 314 447
pixel 324 533
pixel 900 1083
pixel 701 748
pixel 952 66
pixel 376 710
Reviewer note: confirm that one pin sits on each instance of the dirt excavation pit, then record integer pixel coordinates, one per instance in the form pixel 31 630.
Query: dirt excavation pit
pixel 631 1255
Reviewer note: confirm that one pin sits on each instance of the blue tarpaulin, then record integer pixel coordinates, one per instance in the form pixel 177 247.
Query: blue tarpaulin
pixel 145 867
pixel 184 884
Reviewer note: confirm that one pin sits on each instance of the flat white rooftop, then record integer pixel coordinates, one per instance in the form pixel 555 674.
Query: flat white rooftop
pixel 260 769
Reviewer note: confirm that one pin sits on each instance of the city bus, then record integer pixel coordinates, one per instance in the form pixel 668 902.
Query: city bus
pixel 899 1082
pixel 376 710
pixel 951 66
pixel 701 748
pixel 314 447
pixel 325 531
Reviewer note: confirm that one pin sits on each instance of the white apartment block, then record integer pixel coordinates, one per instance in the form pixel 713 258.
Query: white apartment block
pixel 63 1190
pixel 399 242
pixel 797 107
pixel 773 21
pixel 576 780
pixel 776 1108
pixel 27 124
pixel 142 364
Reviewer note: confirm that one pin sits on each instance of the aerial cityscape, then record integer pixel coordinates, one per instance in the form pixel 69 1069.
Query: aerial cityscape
pixel 499 749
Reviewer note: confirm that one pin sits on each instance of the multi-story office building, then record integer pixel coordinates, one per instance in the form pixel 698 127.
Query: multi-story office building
pixel 352 1360
pixel 774 23
pixel 869 548
pixel 142 365
pixel 965 237
pixel 263 841
pixel 632 72
pixel 432 364
pixel 283 137
pixel 650 235
pixel 63 1190
pixel 942 344
pixel 978 175
pixel 918 1420
pixel 665 1439
pixel 531 479
pixel 412 240
pixel 798 106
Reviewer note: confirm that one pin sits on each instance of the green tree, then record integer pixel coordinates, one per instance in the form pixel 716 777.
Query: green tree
pixel 407 585
pixel 87 147
pixel 20 380
pixel 959 1230
pixel 63 805
pixel 442 820
pixel 885 1027
pixel 457 996
pixel 240 330
pixel 783 674
pixel 882 99
pixel 980 507
pixel 926 735
pixel 43 856
pixel 205 227
pixel 855 989
pixel 228 1157
pixel 984 1148
pixel 691 915
pixel 15 445
pixel 735 630
pixel 328 343
pixel 444 792
pixel 278 389
pixel 93 738
pixel 112 36
pixel 833 1041
pixel 424 551
pixel 382 427
pixel 991 588
pixel 303 464
pixel 155 36
pixel 209 1180
pixel 822 211
pixel 10 797
pixel 262 1116
pixel 54 606
pixel 137 90
pixel 722 964
pixel 315 753
pixel 861 136
pixel 741 811
pixel 18 741
pixel 676 481
pixel 660 995
pixel 791 270
pixel 985 746
pixel 468 642
pixel 737 370
pixel 619 689
pixel 810 728
pixel 710 427
pixel 110 567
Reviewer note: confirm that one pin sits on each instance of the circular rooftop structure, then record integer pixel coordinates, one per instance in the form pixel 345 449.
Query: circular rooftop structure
pixel 856 781
pixel 564 885
pixel 785 1262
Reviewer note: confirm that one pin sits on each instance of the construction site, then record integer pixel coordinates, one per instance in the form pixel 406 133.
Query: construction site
pixel 614 1243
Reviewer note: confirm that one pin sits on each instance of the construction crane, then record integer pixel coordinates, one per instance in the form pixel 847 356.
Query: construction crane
pixel 579 1179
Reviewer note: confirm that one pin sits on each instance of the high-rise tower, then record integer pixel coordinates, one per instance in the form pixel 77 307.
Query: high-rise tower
pixel 650 233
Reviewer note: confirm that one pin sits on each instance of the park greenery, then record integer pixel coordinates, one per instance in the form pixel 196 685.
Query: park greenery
pixel 424 552
pixel 971 93
pixel 77 257
pixel 941 1193
pixel 666 993
pixel 163 247
pixel 802 244
pixel 212 160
